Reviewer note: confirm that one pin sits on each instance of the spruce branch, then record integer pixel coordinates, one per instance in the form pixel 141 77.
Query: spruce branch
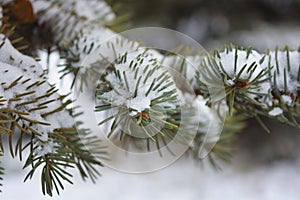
pixel 141 96
pixel 35 119
pixel 65 19
pixel 285 84
pixel 257 84
pixel 135 90
pixel 246 75
pixel 73 150
pixel 77 29
pixel 101 47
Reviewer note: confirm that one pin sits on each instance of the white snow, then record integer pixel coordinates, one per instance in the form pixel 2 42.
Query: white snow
pixel 188 64
pixel 15 65
pixel 287 100
pixel 184 180
pixel 228 62
pixel 193 65
pixel 291 66
pixel 275 111
pixel 203 114
pixel 291 75
pixel 93 10
pixel 122 94
pixel 10 73
pixel 294 57
pixel 229 82
pixel 106 45
pixel 139 103
pixel 45 148
pixel 60 19
pixel 209 121
pixel 9 55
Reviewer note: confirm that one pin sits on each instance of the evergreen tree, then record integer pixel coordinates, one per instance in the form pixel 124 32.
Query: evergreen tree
pixel 134 89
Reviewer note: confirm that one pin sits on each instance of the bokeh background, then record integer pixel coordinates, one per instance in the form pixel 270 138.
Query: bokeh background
pixel 264 166
pixel 262 24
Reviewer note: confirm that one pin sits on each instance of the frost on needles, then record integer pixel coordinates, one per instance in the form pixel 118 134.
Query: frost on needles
pixel 35 119
pixel 136 86
pixel 255 82
pixel 140 89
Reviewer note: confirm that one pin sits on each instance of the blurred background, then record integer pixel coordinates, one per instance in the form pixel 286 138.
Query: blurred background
pixel 262 24
pixel 264 166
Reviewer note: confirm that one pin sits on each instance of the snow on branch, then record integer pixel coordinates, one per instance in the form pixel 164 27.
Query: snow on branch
pixel 140 92
pixel 135 84
pixel 66 18
pixel 259 83
pixel 34 117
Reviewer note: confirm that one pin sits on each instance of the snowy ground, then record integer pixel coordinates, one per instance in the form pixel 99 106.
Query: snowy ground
pixel 265 167
pixel 184 180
